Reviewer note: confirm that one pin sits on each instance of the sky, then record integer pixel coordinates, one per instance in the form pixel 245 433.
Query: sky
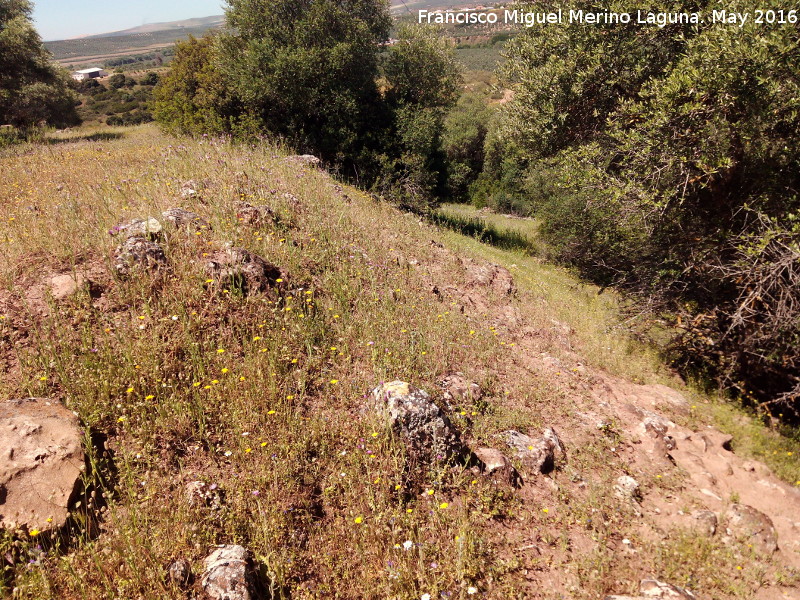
pixel 64 19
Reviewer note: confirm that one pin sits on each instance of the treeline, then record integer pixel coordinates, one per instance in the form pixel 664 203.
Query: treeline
pixel 318 75
pixel 142 61
pixel 666 161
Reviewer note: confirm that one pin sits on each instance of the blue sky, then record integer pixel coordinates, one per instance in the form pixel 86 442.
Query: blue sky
pixel 62 19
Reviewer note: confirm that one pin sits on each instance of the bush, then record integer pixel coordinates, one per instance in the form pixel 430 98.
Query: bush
pixel 668 163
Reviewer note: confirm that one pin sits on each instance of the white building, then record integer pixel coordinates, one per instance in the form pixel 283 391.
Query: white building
pixel 85 74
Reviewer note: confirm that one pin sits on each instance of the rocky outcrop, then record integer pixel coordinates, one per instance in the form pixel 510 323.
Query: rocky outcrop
pixel 255 215
pixel 138 253
pixel 487 275
pixel 458 390
pixel 41 463
pixel 427 431
pixel 229 574
pixel 752 527
pixel 179 572
pixel 237 268
pixel 66 285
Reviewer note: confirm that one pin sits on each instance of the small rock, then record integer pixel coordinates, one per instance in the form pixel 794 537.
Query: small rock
pixel 304 159
pixel 228 574
pixel 237 268
pixel 706 522
pixel 412 414
pixel 751 526
pixel 650 588
pixel 64 286
pixel 460 391
pixel 41 463
pixel 539 455
pixel 200 493
pixel 627 488
pixel 182 218
pixel 496 466
pixel 255 215
pixel 146 228
pixel 180 572
pixel 137 252
pixel 716 440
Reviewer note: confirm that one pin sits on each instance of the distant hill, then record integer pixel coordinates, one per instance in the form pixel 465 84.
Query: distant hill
pixel 95 49
pixel 180 26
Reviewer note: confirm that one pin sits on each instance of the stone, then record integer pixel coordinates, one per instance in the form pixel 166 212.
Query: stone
pixel 751 526
pixel 255 215
pixel 412 414
pixel 147 228
pixel 138 252
pixel 627 488
pixel 202 494
pixel 650 588
pixel 460 391
pixel 495 465
pixel 498 278
pixel 64 286
pixel 190 188
pixel 180 572
pixel 229 574
pixel 237 268
pixel 540 455
pixel 705 522
pixel 304 159
pixel 185 219
pixel 41 463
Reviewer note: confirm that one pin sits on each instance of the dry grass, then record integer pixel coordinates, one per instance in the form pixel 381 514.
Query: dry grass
pixel 263 397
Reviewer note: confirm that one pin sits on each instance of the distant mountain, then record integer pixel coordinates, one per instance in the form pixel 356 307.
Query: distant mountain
pixel 177 26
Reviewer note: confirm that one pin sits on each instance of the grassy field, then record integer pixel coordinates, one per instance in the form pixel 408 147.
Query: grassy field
pixel 263 396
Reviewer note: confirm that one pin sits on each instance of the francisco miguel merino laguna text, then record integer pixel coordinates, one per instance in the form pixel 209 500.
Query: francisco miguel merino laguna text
pixel 530 19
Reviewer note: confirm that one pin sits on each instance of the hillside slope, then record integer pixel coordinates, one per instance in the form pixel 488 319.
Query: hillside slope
pixel 183 382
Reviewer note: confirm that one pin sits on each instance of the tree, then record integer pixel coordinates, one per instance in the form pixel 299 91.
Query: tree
pixel 194 96
pixel 150 78
pixel 306 70
pixel 32 89
pixel 422 81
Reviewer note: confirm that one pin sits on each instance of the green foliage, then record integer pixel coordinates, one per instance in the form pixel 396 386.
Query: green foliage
pixel 126 105
pixel 116 81
pixel 666 161
pixel 151 78
pixel 421 69
pixel 194 96
pixel 307 70
pixel 308 73
pixel 464 137
pixel 422 80
pixel 32 90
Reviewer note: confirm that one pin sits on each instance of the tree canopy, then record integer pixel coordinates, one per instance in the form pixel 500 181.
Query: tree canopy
pixel 667 161
pixel 32 89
